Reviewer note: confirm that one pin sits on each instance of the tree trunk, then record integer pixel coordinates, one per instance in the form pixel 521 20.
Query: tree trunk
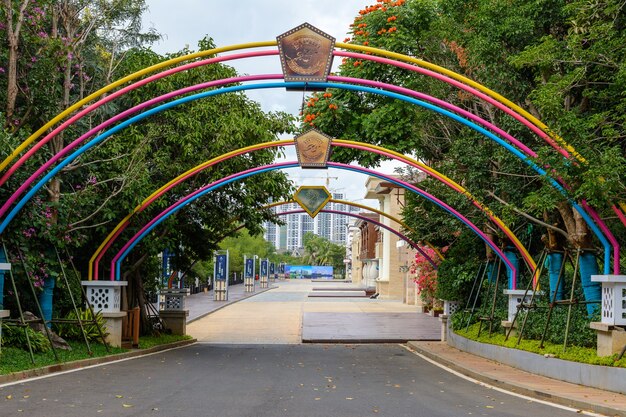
pixel 13 29
pixel 11 80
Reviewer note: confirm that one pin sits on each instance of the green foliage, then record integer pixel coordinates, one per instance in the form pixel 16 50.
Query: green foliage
pixel 321 251
pixel 245 244
pixel 457 273
pixel 18 337
pixel 580 334
pixel 72 331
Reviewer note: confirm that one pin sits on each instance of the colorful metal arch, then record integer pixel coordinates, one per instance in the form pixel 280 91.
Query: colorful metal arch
pixel 372 209
pixel 272 85
pixel 130 244
pixel 93 268
pixel 445 75
pixel 195 55
pixel 417 65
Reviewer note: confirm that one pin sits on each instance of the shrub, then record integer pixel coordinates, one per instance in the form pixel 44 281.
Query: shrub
pixel 72 331
pixel 13 335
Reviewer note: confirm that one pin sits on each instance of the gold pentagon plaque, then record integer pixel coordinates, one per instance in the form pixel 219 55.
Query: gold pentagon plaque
pixel 306 53
pixel 313 149
pixel 312 198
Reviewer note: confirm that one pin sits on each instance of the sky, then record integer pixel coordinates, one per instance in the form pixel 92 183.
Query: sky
pixel 182 23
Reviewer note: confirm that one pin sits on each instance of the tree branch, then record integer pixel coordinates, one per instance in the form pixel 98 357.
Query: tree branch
pixel 528 216
pixel 104 203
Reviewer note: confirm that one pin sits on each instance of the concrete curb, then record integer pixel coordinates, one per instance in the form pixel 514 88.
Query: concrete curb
pixel 538 393
pixel 68 366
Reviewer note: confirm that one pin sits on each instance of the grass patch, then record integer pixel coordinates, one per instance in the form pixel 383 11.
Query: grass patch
pixel 572 353
pixel 147 342
pixel 15 359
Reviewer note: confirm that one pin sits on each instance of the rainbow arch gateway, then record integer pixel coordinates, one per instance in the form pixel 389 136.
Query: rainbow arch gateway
pixel 306 55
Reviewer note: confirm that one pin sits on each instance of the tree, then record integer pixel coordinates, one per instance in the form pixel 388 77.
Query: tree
pixel 53 50
pixel 559 59
pixel 321 251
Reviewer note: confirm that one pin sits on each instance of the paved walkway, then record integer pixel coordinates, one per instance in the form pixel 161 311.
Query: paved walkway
pixel 202 304
pixel 286 313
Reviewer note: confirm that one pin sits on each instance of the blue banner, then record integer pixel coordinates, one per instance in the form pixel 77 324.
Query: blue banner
pixel 264 268
pixel 220 267
pixel 249 271
pixel 272 268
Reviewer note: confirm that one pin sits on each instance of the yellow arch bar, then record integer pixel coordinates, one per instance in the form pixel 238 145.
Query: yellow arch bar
pixel 410 161
pixel 368 208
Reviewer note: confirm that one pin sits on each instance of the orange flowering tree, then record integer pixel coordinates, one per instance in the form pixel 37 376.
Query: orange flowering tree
pixel 394 26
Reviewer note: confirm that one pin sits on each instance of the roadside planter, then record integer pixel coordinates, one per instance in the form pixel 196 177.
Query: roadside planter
pixel 597 376
pixel 172 309
pixel 611 337
pixel 105 297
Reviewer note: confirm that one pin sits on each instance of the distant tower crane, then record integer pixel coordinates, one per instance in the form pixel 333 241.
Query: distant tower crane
pixel 327 178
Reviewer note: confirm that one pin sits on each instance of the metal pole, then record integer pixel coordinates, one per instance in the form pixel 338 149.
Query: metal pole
pixel 571 299
pixel 89 306
pixel 480 285
pixel 19 307
pixel 80 321
pixel 532 299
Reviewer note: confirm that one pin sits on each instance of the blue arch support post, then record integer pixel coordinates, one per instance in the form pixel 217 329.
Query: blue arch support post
pixel 511 255
pixel 554 262
pixel 46 297
pixel 587 266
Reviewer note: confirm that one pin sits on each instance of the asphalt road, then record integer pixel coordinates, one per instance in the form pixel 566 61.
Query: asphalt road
pixel 266 381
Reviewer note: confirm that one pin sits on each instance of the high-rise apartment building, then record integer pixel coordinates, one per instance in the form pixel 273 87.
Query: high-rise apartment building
pixel 331 226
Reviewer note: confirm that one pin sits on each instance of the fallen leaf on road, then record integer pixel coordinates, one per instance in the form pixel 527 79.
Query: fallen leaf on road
pixel 9 397
pixel 127 405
